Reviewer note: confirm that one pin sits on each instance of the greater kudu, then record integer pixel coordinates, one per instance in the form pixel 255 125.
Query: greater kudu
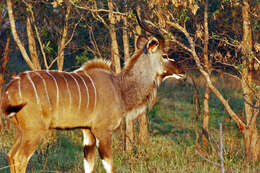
pixel 92 98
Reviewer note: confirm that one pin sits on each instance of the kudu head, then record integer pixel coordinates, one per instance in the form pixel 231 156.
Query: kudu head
pixel 154 49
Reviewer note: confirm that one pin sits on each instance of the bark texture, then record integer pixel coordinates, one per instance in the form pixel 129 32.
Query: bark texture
pixel 251 136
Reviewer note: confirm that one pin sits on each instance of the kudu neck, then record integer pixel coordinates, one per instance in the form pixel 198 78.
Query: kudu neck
pixel 136 81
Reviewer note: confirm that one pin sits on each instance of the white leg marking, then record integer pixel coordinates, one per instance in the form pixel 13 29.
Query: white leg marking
pixel 34 88
pixel 87 140
pixel 95 91
pixel 88 166
pixel 45 87
pixel 57 87
pixel 84 85
pixel 69 92
pixel 107 166
pixel 78 90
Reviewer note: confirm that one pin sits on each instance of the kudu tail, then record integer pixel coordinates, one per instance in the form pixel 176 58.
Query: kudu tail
pixel 7 109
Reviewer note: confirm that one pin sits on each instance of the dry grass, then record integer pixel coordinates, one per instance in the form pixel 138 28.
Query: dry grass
pixel 170 148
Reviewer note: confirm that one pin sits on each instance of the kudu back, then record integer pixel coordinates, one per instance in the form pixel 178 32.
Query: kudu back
pixel 92 98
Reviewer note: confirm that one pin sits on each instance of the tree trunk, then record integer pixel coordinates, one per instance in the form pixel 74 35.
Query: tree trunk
pixel 32 45
pixel 62 43
pixel 126 39
pixel 143 121
pixel 143 128
pixel 252 144
pixel 205 123
pixel 129 124
pixel 251 136
pixel 129 135
pixel 16 37
pixel 114 45
pixel 3 60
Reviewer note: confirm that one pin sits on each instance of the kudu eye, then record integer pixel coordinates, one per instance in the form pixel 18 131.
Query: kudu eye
pixel 165 56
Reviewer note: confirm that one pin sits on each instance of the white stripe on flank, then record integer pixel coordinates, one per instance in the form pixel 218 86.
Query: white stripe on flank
pixel 84 85
pixel 68 89
pixel 57 87
pixel 19 89
pixel 95 91
pixel 97 142
pixel 78 89
pixel 45 86
pixel 34 88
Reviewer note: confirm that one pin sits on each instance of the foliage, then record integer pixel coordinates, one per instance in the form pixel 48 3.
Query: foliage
pixel 85 56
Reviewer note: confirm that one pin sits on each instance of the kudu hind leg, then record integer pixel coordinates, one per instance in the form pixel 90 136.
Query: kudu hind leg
pixel 89 150
pixel 28 143
pixel 103 141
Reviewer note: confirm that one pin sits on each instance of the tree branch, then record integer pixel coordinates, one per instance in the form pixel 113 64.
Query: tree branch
pixel 29 6
pixel 62 44
pixel 96 10
pixel 16 37
pixel 207 77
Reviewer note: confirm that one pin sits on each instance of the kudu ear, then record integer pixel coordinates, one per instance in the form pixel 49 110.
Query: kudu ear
pixel 152 45
pixel 141 41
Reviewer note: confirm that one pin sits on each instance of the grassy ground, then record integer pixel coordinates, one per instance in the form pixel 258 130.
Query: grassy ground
pixel 170 148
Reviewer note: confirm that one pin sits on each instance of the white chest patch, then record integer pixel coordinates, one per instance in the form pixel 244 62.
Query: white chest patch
pixel 134 113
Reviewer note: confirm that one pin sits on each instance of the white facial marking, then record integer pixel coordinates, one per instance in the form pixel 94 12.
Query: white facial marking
pixel 45 87
pixel 57 87
pixel 134 113
pixel 95 91
pixel 176 76
pixel 79 92
pixel 88 166
pixel 69 92
pixel 107 166
pixel 34 88
pixel 86 87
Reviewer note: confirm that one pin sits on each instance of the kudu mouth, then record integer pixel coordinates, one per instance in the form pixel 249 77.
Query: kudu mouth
pixel 173 70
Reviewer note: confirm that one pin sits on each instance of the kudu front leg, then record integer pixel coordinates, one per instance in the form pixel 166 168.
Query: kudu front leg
pixel 13 150
pixel 89 150
pixel 103 142
pixel 22 151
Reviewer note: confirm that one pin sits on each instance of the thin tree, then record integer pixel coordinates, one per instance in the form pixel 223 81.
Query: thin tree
pixel 206 111
pixel 33 60
pixel 114 45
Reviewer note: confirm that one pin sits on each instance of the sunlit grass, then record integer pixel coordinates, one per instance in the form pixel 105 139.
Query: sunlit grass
pixel 170 148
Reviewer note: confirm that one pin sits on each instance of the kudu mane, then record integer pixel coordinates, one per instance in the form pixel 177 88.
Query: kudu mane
pixel 97 64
